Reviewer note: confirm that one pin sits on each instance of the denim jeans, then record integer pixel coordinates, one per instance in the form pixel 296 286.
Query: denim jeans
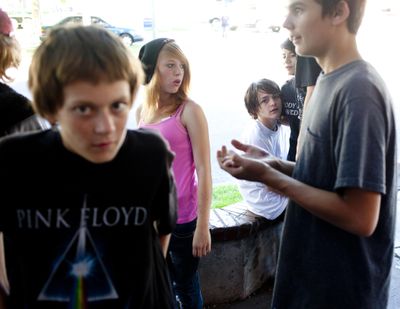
pixel 183 267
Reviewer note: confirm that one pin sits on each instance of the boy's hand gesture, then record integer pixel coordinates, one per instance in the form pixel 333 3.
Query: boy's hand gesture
pixel 252 165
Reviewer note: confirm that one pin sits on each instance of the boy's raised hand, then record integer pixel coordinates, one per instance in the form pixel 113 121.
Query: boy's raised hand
pixel 250 151
pixel 254 152
pixel 249 166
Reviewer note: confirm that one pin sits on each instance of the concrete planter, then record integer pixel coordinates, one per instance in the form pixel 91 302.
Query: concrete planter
pixel 244 254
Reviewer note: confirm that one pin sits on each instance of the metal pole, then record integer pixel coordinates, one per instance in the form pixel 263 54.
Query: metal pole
pixel 153 22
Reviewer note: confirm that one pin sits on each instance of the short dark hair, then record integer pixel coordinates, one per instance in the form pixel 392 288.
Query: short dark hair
pixel 251 98
pixel 356 7
pixel 288 45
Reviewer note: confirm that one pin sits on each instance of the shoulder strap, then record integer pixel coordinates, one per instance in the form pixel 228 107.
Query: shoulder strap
pixel 179 110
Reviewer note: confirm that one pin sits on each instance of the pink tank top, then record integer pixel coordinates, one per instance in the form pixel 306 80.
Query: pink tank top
pixel 183 166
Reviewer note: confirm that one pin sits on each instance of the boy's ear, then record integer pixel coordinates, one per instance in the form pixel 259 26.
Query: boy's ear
pixel 341 13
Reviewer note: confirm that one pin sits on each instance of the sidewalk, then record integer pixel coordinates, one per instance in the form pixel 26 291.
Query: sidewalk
pixel 262 298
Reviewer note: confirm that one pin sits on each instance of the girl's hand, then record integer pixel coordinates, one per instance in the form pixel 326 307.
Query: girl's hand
pixel 201 242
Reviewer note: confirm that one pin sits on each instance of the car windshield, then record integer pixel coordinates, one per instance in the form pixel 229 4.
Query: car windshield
pixel 71 20
pixel 79 20
pixel 98 21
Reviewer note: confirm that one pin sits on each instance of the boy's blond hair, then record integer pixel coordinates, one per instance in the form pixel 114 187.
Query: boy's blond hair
pixel 79 53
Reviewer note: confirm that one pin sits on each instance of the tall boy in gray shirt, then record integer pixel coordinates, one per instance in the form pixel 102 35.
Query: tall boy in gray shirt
pixel 337 245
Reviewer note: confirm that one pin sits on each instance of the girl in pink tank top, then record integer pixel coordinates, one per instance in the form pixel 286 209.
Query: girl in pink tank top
pixel 182 123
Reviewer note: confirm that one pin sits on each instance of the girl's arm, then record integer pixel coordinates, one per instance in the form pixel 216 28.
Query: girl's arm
pixel 4 284
pixel 164 242
pixel 195 122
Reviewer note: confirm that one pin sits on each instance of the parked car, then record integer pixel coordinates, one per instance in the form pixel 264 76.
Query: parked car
pixel 255 15
pixel 262 25
pixel 256 23
pixel 128 35
pixel 21 20
pixel 216 22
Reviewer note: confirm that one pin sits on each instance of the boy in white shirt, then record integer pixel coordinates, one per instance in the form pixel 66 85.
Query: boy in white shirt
pixel 263 103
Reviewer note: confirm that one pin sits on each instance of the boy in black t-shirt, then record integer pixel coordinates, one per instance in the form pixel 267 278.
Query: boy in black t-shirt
pixel 92 227
pixel 292 97
pixel 307 72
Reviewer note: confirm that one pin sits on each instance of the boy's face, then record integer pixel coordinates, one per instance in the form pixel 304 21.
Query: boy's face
pixel 289 61
pixel 93 117
pixel 270 106
pixel 309 31
pixel 171 72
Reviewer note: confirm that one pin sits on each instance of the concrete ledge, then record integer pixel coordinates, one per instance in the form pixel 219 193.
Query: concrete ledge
pixel 244 254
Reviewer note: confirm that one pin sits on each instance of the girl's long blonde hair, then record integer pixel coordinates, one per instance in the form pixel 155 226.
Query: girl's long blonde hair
pixel 153 89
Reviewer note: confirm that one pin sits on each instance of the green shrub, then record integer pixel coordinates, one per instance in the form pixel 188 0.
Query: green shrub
pixel 224 195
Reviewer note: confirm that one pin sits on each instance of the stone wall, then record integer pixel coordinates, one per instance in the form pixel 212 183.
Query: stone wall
pixel 244 254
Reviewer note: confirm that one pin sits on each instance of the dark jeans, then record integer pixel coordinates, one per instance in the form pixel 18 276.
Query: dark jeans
pixel 183 267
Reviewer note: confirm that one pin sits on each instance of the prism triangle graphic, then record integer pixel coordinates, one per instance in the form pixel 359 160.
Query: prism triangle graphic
pixel 80 275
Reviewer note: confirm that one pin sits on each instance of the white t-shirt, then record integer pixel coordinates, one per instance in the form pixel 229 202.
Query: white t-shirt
pixel 259 199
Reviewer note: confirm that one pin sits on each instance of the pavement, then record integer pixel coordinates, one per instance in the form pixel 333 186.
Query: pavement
pixel 262 297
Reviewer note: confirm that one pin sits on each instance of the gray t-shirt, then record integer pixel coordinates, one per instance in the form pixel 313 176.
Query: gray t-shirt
pixel 347 140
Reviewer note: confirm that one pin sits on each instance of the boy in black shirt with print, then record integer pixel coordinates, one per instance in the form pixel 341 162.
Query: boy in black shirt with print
pixel 83 235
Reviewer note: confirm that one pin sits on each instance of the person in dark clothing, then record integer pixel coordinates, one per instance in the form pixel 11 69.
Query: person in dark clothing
pixel 16 112
pixel 307 72
pixel 81 235
pixel 338 236
pixel 292 97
